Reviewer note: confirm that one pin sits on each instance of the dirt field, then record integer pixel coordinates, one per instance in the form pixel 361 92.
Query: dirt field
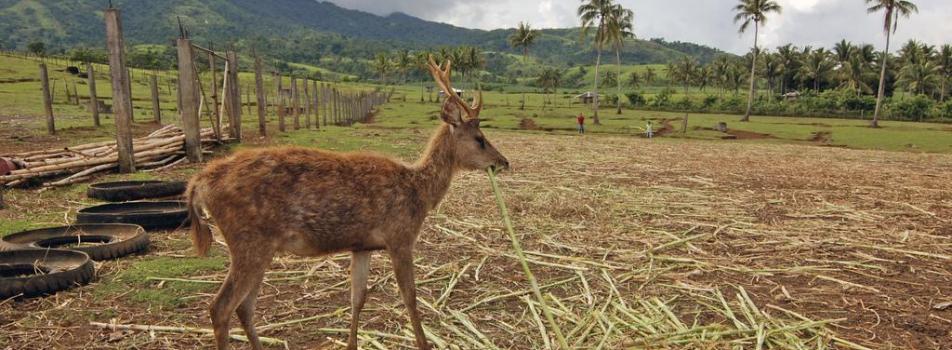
pixel 638 243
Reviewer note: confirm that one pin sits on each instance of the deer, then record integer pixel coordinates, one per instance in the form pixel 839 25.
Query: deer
pixel 311 202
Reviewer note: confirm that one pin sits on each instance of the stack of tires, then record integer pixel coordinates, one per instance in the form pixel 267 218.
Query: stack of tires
pixel 44 261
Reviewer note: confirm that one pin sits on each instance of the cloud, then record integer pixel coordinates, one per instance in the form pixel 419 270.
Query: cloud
pixel 709 22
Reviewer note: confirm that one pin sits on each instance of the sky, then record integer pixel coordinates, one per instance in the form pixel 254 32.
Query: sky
pixel 708 22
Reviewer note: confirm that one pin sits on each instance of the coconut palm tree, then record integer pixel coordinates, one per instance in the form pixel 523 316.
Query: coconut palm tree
pixel 549 80
pixel 854 74
pixel 421 61
pixel 523 37
pixel 816 67
pixel 918 77
pixel 772 69
pixel 719 68
pixel 649 75
pixel 892 10
pixel 618 28
pixel 403 63
pixel 843 50
pixel 382 65
pixel 684 71
pixel 634 80
pixel 755 11
pixel 789 60
pixel 943 61
pixel 595 14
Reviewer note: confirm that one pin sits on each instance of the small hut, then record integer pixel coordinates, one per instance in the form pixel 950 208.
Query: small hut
pixel 457 91
pixel 587 97
pixel 791 96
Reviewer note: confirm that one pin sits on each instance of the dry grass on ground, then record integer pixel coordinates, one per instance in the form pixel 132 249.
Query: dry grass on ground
pixel 637 243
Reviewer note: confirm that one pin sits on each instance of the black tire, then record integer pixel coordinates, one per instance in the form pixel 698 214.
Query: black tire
pixel 149 215
pixel 124 191
pixel 115 240
pixel 59 269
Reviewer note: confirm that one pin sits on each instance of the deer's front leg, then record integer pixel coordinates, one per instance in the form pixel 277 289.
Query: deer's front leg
pixel 359 268
pixel 402 260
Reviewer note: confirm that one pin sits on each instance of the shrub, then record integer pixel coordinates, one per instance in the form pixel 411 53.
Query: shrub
pixel 709 101
pixel 636 98
pixel 944 110
pixel 663 98
pixel 912 108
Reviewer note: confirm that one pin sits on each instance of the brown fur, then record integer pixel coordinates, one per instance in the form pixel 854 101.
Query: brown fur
pixel 312 202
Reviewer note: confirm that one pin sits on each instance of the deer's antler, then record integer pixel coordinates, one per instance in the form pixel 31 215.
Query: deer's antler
pixel 442 77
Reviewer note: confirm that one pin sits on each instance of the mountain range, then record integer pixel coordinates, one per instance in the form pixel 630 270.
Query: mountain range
pixel 306 31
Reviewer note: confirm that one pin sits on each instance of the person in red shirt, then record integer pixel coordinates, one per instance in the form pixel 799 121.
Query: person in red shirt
pixel 581 123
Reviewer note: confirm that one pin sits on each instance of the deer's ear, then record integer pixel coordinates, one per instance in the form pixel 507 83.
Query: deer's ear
pixel 452 113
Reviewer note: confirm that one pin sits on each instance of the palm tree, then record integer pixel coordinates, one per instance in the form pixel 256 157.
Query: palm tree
pixel 523 37
pixel 853 74
pixel 790 63
pixel 549 80
pixel 892 10
pixel 403 63
pixel 719 68
pixel 595 13
pixel 816 67
pixel 619 27
pixel 634 80
pixel 382 66
pixel 473 57
pixel 943 61
pixel 918 77
pixel 649 75
pixel 843 50
pixel 421 60
pixel 702 77
pixel 753 11
pixel 684 72
pixel 773 68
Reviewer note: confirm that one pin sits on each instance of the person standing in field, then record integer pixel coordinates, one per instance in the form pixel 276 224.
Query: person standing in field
pixel 581 123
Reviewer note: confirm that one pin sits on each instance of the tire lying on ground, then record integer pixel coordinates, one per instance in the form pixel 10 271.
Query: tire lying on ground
pixel 35 272
pixel 150 215
pixel 123 191
pixel 99 241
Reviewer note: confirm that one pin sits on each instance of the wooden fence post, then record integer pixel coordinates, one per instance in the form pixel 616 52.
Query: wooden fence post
pixel 69 97
pixel 295 103
pixel 128 78
pixel 47 100
pixel 280 102
pixel 216 112
pixel 316 108
pixel 259 93
pixel 156 109
pixel 307 104
pixel 188 99
pixel 75 94
pixel 93 99
pixel 121 97
pixel 234 96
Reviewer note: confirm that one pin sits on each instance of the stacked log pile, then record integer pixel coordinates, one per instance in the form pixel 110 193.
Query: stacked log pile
pixel 161 149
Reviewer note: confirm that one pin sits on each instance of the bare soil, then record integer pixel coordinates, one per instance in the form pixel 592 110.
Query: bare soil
pixel 862 239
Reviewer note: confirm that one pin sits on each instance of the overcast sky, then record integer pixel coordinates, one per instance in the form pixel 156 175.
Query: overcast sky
pixel 709 22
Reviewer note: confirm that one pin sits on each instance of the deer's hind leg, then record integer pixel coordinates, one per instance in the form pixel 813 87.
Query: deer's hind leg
pixel 359 268
pixel 238 293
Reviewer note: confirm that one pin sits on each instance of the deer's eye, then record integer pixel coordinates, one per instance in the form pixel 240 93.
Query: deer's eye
pixel 481 141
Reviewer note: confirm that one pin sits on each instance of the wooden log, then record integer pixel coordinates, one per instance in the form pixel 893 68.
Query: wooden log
pixel 93 99
pixel 47 100
pixel 156 109
pixel 188 97
pixel 260 93
pixel 122 99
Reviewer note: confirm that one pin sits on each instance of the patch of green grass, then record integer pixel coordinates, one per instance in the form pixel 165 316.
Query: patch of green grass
pixel 133 282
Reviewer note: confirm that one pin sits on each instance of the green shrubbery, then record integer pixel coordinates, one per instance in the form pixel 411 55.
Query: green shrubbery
pixel 837 102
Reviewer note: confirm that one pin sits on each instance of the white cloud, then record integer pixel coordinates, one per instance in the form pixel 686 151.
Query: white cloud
pixel 709 22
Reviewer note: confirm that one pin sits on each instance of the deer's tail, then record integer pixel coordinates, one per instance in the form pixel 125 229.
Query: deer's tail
pixel 200 232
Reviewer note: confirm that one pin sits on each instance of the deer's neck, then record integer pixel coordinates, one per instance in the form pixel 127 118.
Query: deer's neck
pixel 435 169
